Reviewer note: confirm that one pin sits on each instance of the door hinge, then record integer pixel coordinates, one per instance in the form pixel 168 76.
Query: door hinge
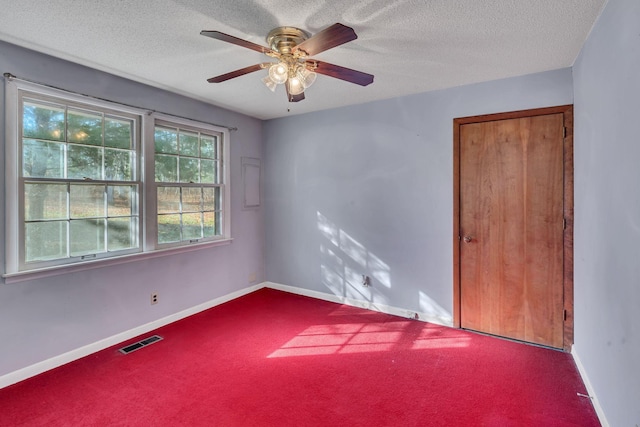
pixel 564 132
pixel 565 315
pixel 564 223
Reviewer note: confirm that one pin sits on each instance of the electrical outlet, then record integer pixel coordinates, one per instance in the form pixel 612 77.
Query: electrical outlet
pixel 253 277
pixel 154 298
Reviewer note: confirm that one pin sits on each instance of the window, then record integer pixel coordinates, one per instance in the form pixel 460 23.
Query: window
pixel 76 185
pixel 188 183
pixel 78 182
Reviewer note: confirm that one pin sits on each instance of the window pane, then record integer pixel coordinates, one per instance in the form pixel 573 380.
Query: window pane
pixel 122 233
pixel 189 144
pixel 166 168
pixel 87 201
pixel 168 228
pixel 191 199
pixel 84 127
pixel 117 133
pixel 168 200
pixel 45 241
pixel 42 122
pixel 191 226
pixel 84 162
pixel 208 147
pixel 189 170
pixel 120 200
pixel 45 201
pixel 118 165
pixel 211 199
pixel 208 171
pixel 211 224
pixel 86 236
pixel 166 141
pixel 42 159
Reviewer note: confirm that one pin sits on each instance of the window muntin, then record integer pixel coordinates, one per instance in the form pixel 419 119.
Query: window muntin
pixel 78 185
pixel 188 184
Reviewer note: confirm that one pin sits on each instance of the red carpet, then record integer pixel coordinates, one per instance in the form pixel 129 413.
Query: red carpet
pixel 277 359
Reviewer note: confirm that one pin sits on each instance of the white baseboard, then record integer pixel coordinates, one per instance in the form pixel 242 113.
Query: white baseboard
pixel 54 362
pixel 425 317
pixel 590 391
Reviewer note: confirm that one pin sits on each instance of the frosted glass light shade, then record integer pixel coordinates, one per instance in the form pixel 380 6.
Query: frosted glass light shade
pixel 279 73
pixel 306 77
pixel 295 85
pixel 268 82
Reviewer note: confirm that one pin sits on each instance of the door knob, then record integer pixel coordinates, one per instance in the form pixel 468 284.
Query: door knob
pixel 467 239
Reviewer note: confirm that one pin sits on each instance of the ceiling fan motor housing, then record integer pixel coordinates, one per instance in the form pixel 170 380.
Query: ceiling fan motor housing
pixel 284 39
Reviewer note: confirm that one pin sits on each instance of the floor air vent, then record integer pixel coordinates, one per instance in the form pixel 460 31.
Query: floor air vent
pixel 138 345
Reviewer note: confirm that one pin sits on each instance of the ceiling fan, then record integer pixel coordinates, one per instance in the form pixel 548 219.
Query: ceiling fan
pixel 292 47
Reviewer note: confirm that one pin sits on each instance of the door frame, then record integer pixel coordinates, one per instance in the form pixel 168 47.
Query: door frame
pixel 567 111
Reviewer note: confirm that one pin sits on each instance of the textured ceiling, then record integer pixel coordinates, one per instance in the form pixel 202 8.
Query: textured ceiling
pixel 410 46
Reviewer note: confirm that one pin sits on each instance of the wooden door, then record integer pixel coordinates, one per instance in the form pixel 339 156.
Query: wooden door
pixel 512 227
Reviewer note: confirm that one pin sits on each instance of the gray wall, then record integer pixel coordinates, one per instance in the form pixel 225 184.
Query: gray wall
pixel 607 218
pixel 369 190
pixel 43 318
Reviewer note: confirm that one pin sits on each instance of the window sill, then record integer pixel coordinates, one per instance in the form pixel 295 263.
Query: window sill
pixel 22 276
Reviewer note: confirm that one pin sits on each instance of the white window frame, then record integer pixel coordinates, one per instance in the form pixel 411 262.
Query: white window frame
pixel 15 271
pixel 151 186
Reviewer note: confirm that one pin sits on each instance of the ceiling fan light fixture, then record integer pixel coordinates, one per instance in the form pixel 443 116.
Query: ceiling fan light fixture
pixel 279 73
pixel 268 82
pixel 292 49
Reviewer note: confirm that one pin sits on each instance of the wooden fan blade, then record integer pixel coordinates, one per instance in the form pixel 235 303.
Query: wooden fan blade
pixel 293 98
pixel 332 36
pixel 342 73
pixel 238 73
pixel 296 98
pixel 235 40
